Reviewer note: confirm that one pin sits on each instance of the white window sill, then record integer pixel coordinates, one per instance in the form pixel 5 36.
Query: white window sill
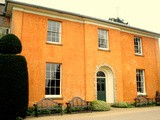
pixel 104 49
pixel 53 96
pixel 54 43
pixel 139 54
pixel 141 94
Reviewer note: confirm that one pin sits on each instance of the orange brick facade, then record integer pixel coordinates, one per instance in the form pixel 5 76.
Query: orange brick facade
pixel 81 59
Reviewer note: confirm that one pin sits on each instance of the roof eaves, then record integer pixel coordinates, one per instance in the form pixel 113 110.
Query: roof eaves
pixel 80 15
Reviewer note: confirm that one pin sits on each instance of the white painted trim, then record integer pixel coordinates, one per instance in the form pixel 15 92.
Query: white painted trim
pixel 141 93
pixel 101 25
pixel 17 8
pixel 53 96
pixel 144 82
pixel 104 49
pixel 45 14
pixel 136 33
pixel 54 43
pixel 110 82
pixel 81 20
pixel 138 54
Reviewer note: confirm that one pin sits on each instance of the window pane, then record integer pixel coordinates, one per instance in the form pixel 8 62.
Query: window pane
pixel 58 83
pixel 57 37
pixel 102 38
pixel 53 75
pixel 53 83
pixel 52 79
pixel 53 37
pixel 137 45
pixel 100 74
pixel 140 81
pixel 47 74
pixel 52 67
pixel 53 28
pixel 57 91
pixel 53 91
pixel 47 83
pixel 54 31
pixel 57 68
pixel 58 75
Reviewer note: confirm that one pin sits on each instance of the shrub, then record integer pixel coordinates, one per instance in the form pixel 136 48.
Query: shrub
pixel 14 82
pixel 10 44
pixel 13 79
pixel 99 105
pixel 123 105
pixel 120 104
pixel 30 111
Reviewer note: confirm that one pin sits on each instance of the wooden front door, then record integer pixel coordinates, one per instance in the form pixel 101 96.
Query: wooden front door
pixel 101 88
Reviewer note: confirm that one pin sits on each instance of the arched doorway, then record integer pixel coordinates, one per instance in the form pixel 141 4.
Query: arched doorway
pixel 105 84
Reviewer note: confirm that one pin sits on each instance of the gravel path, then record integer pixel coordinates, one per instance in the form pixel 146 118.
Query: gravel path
pixel 144 113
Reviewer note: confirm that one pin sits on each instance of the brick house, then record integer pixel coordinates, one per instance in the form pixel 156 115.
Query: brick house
pixel 74 55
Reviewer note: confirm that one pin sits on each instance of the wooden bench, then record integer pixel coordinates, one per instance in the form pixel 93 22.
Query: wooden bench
pixel 77 104
pixel 157 98
pixel 49 105
pixel 141 100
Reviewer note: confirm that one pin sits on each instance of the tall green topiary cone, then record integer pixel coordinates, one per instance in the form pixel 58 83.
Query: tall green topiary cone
pixel 13 79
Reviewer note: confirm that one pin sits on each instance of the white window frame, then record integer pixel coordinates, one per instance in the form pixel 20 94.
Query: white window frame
pixel 105 38
pixel 52 29
pixel 142 77
pixel 51 76
pixel 139 46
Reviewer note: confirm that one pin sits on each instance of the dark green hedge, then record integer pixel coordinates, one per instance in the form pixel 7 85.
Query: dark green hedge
pixel 10 44
pixel 13 85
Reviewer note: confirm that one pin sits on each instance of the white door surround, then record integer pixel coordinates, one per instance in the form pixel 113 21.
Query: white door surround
pixel 110 83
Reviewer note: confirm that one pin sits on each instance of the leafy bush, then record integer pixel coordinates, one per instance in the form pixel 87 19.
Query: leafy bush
pixel 10 44
pixel 30 111
pixel 120 104
pixel 123 105
pixel 99 105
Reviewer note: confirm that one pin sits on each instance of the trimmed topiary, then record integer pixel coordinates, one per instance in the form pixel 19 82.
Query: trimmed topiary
pixel 99 105
pixel 10 44
pixel 13 79
pixel 14 84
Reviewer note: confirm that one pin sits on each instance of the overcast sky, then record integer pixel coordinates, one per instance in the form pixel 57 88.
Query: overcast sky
pixel 144 14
